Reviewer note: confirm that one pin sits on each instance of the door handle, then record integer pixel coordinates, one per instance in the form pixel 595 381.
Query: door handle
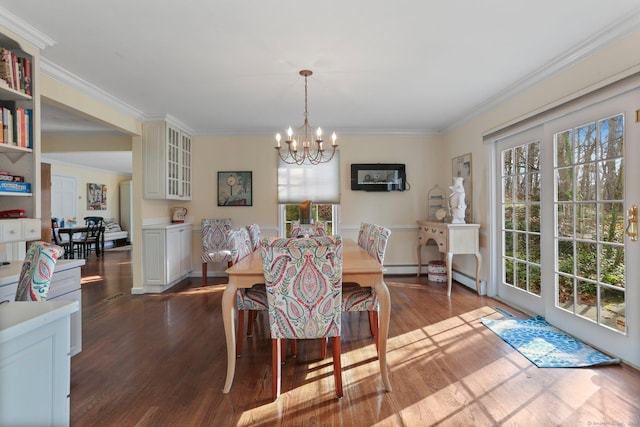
pixel 632 227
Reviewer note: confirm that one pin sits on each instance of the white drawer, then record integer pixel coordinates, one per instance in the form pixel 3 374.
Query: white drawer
pixel 31 229
pixel 64 282
pixel 11 230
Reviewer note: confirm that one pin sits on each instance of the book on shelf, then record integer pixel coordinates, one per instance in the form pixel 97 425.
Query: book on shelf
pixel 15 71
pixel 17 124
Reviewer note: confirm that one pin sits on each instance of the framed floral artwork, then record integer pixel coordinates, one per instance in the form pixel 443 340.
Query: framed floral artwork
pixel 235 188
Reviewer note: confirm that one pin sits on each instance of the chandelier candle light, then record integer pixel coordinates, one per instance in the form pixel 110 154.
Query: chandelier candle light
pixel 312 150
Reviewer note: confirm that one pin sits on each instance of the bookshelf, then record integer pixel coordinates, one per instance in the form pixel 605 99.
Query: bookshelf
pixel 20 157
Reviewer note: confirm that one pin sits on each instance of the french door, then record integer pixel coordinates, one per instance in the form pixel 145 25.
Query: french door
pixel 565 188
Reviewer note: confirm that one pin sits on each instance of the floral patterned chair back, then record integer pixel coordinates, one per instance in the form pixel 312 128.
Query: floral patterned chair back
pixel 214 243
pixel 363 234
pixel 37 270
pixel 319 228
pixel 254 235
pixel 254 298
pixel 358 298
pixel 303 279
pixel 377 242
pixel 296 229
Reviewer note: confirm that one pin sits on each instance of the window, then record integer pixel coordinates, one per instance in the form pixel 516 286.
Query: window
pixel 318 183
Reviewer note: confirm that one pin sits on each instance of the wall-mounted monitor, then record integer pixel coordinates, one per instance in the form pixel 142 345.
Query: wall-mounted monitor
pixel 378 176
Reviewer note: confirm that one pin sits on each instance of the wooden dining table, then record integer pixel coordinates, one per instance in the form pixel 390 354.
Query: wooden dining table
pixel 357 267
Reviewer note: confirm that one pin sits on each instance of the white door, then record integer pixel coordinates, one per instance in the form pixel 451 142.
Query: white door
pixel 564 193
pixel 64 196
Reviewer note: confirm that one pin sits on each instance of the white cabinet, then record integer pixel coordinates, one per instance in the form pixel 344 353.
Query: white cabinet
pixel 166 255
pixel 20 156
pixel 167 161
pixel 65 286
pixel 35 366
pixel 19 230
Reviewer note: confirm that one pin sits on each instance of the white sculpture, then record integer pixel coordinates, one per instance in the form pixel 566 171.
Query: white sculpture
pixel 456 201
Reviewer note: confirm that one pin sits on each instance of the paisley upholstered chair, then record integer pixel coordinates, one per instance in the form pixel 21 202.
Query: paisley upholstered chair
pixel 357 298
pixel 303 278
pixel 254 298
pixel 254 235
pixel 37 270
pixel 214 243
pixel 319 228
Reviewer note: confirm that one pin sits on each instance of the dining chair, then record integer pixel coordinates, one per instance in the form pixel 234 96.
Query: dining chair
pixel 363 234
pixel 319 228
pixel 214 243
pixel 94 240
pixel 296 229
pixel 37 270
pixel 254 235
pixel 303 279
pixel 358 298
pixel 247 299
pixel 58 239
pixel 97 220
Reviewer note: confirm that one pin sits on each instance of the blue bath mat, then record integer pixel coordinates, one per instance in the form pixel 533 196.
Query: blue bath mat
pixel 545 345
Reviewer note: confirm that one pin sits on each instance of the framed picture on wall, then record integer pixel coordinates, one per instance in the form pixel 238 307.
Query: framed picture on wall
pixel 462 168
pixel 96 197
pixel 235 188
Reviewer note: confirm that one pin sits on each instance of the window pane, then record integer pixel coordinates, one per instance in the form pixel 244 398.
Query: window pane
pixel 564 152
pixel 586 221
pixel 611 220
pixel 587 260
pixel 533 183
pixel 587 300
pixel 565 220
pixel 564 185
pixel 507 162
pixel 586 143
pixel 507 189
pixel 586 182
pixel 534 280
pixel 534 248
pixel 611 177
pixel 613 311
pixel 508 217
pixel 611 136
pixel 534 218
pixel 565 293
pixel 612 265
pixel 508 243
pixel 565 256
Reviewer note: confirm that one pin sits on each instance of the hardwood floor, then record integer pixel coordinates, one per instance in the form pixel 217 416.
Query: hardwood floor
pixel 155 360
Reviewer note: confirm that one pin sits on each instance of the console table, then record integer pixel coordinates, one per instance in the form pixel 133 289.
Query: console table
pixel 451 239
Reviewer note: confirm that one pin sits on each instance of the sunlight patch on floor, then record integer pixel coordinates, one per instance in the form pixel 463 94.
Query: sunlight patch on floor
pixel 90 279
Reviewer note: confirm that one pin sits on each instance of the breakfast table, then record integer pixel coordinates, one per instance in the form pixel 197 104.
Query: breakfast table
pixel 357 267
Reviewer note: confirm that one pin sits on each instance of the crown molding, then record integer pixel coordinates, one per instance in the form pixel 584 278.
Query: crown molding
pixel 31 34
pixel 58 73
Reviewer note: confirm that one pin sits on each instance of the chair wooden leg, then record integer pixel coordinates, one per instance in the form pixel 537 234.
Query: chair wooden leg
pixel 276 366
pixel 204 274
pixel 323 348
pixel 252 318
pixel 283 350
pixel 240 333
pixel 337 365
pixel 294 348
pixel 373 325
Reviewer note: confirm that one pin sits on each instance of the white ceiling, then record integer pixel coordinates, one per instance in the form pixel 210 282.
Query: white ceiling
pixel 224 67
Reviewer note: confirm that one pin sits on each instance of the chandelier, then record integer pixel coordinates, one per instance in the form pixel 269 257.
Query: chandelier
pixel 306 144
